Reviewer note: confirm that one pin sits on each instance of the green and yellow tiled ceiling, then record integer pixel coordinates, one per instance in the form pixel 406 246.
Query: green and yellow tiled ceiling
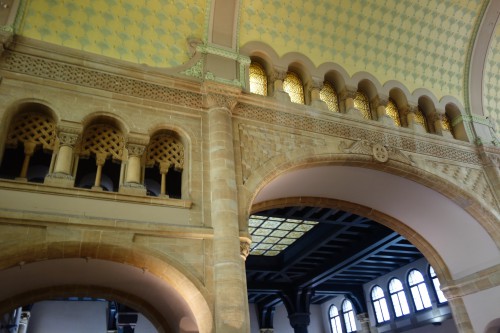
pixel 491 82
pixel 422 44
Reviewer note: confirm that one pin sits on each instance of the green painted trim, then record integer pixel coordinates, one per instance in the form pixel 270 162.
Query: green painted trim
pixel 223 52
pixel 195 71
pixel 469 56
pixel 210 76
pixel 472 118
pixel 21 11
pixel 208 13
pixel 7 28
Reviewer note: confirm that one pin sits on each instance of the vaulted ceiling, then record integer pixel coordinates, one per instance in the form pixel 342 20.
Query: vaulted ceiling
pixel 447 47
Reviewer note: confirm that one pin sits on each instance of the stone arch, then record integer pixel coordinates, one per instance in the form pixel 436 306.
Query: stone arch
pixel 108 118
pixel 456 203
pixel 147 279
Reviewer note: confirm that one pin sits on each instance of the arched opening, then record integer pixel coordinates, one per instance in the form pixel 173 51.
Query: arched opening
pixel 437 230
pixel 151 285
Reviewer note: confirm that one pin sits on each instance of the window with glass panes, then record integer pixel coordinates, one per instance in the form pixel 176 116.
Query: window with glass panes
pixel 418 290
pixel 348 311
pixel 398 298
pixel 437 286
pixel 380 305
pixel 335 323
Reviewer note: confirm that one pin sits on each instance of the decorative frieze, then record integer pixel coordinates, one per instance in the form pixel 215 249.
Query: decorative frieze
pixel 337 129
pixel 380 153
pixel 63 72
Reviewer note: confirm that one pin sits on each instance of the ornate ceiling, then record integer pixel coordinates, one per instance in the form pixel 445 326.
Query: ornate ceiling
pixel 422 44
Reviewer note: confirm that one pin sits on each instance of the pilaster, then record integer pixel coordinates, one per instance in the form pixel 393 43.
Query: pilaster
pixel 314 88
pixel 277 78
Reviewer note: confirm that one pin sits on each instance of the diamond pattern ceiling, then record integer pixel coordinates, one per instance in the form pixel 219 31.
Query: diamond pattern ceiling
pixel 491 83
pixel 422 44
pixel 152 32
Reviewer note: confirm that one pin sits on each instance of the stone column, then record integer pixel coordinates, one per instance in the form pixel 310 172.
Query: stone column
pixel 277 77
pixel 163 172
pixel 364 321
pixel 300 321
pixel 348 97
pixel 382 115
pixel 100 159
pixel 439 119
pixel 411 118
pixel 29 150
pixel 133 182
pixel 315 87
pixel 63 168
pixel 230 294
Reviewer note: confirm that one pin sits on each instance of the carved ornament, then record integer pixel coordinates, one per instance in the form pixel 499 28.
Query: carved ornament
pixel 381 153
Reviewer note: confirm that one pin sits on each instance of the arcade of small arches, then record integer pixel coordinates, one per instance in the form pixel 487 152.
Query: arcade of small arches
pixel 331 88
pixel 99 155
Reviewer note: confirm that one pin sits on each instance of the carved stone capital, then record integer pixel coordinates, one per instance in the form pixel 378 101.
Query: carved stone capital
pixel 100 158
pixel 278 74
pixel 245 247
pixel 67 139
pixel 135 150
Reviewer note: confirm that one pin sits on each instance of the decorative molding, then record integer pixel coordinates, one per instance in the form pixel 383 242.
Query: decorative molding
pixel 135 150
pixel 67 139
pixel 337 129
pixel 81 76
pixel 259 145
pixel 381 153
pixel 474 180
pixel 195 71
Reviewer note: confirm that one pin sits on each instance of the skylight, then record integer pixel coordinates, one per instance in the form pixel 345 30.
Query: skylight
pixel 271 235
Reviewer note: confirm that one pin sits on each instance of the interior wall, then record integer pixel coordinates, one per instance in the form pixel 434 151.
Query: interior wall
pixel 482 307
pixel 76 317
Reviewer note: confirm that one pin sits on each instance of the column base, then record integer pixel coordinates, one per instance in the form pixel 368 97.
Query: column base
pixel 60 180
pixel 133 189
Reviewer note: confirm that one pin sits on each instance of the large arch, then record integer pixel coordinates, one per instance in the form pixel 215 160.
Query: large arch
pixel 146 281
pixel 457 234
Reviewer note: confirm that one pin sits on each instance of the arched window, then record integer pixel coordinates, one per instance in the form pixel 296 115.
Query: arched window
pixel 418 290
pixel 335 323
pixel 294 87
pixel 258 79
pixel 329 96
pixel 164 165
pixel 420 118
pixel 393 112
pixel 30 142
pixel 437 286
pixel 380 305
pixel 398 298
pixel 446 124
pixel 101 152
pixel 361 103
pixel 350 322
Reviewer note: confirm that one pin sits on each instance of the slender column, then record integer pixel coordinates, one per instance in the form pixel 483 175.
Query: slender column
pixel 64 157
pixel 439 119
pixel 348 97
pixel 278 76
pixel 411 118
pixel 315 87
pixel 231 313
pixel 29 149
pixel 163 171
pixel 364 321
pixel 382 115
pixel 100 160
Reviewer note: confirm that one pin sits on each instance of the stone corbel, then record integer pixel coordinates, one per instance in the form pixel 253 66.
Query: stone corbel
pixel 381 153
pixel 245 247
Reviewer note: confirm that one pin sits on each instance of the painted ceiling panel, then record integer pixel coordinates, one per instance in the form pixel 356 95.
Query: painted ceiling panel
pixel 491 82
pixel 423 44
pixel 152 32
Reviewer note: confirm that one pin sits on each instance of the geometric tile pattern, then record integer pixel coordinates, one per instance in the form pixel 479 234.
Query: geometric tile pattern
pixel 422 44
pixel 152 32
pixel 491 81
